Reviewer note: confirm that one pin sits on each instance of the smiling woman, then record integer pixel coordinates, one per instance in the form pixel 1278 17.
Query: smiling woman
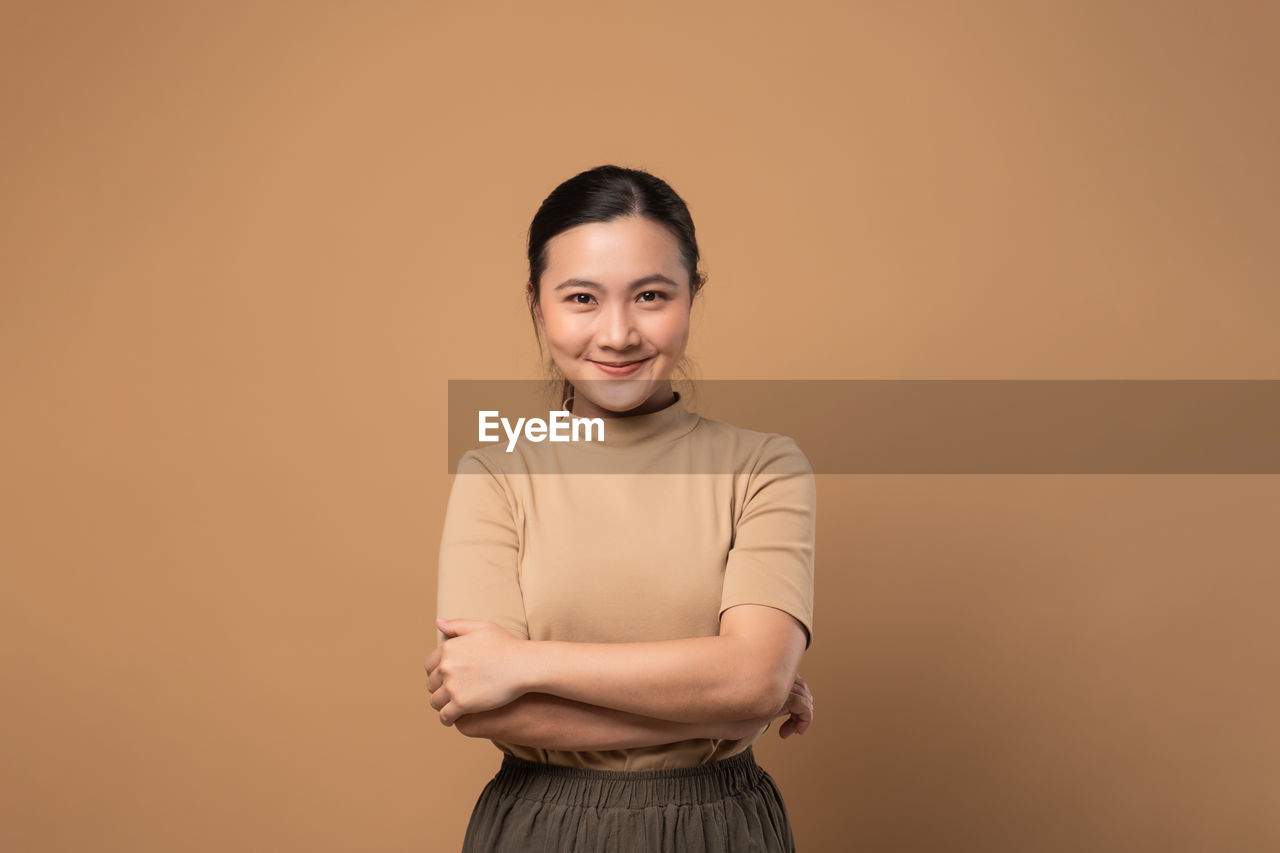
pixel 624 638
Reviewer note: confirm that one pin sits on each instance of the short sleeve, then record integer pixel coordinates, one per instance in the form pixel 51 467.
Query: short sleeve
pixel 771 559
pixel 480 551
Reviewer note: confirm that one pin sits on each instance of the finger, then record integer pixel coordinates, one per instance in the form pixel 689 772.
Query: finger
pixel 433 659
pixel 434 681
pixel 800 707
pixel 449 713
pixel 456 627
pixel 439 699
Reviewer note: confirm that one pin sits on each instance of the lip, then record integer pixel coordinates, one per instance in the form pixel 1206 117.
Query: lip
pixel 620 368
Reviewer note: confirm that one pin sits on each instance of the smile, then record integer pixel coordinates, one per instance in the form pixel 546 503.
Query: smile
pixel 619 368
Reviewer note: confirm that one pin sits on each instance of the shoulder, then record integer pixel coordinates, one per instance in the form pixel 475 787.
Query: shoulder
pixel 482 471
pixel 477 461
pixel 500 464
pixel 755 451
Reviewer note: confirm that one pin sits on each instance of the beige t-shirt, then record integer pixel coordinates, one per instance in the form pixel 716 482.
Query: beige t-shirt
pixel 576 542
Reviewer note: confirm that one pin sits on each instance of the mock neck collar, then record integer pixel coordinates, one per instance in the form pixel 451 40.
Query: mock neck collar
pixel 665 425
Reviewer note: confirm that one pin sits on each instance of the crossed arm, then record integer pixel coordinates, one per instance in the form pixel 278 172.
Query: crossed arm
pixel 491 682
pixel 552 722
pixel 598 696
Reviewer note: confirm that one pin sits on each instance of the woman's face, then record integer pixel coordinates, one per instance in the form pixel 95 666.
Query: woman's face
pixel 614 306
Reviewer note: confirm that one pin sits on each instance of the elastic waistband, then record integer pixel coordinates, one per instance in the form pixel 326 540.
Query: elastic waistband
pixel 575 786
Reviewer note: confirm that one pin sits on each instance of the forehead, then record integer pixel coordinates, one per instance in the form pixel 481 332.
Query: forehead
pixel 621 249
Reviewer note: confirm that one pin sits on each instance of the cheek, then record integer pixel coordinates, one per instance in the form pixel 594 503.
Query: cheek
pixel 670 332
pixel 563 330
pixel 568 341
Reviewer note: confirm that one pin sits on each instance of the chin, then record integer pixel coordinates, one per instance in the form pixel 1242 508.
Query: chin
pixel 619 405
pixel 618 397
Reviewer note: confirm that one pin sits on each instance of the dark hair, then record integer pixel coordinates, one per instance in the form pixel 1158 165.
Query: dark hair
pixel 603 194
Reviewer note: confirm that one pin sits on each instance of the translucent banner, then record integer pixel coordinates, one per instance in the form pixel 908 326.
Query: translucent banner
pixel 893 427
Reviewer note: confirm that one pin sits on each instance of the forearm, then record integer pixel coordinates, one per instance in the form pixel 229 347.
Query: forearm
pixel 544 721
pixel 697 679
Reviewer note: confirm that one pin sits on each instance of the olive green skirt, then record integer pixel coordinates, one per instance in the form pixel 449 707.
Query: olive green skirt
pixel 730 805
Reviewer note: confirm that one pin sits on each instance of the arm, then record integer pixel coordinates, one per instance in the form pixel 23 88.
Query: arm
pixel 744 673
pixel 479 550
pixel 552 722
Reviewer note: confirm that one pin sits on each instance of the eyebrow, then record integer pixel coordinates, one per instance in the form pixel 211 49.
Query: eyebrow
pixel 581 282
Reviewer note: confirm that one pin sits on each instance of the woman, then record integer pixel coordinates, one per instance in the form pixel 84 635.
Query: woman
pixel 625 628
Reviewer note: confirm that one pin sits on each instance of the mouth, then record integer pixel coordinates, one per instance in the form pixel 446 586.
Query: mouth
pixel 619 368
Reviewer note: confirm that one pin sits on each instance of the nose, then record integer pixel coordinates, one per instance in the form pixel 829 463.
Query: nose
pixel 616 329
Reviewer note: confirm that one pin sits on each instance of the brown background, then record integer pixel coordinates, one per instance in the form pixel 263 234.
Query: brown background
pixel 245 245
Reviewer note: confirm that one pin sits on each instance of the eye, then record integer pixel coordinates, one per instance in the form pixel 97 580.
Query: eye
pixel 581 298
pixel 657 294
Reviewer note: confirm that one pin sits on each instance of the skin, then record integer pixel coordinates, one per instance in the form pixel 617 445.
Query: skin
pixel 617 292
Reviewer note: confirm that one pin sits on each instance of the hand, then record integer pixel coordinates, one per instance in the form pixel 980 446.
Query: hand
pixel 800 706
pixel 478 667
